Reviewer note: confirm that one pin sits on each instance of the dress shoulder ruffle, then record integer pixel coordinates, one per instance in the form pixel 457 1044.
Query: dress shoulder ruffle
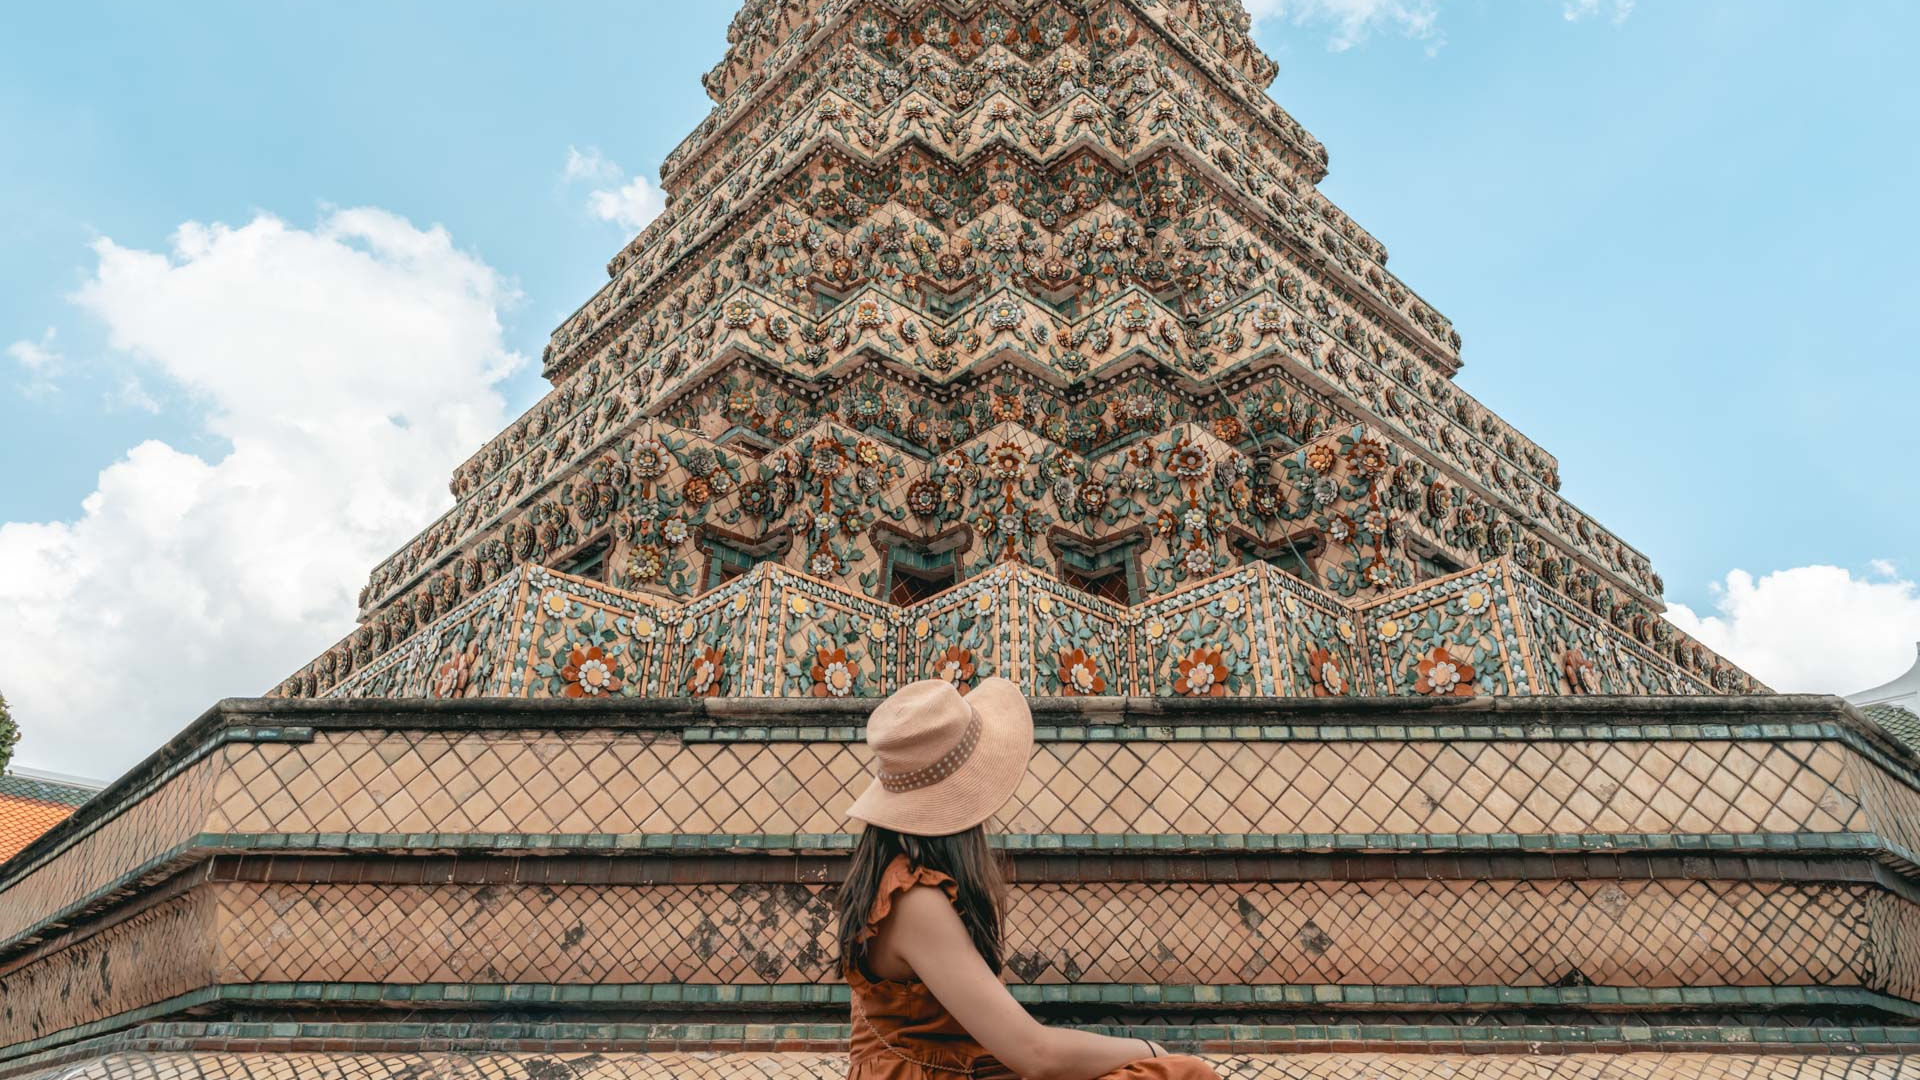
pixel 900 876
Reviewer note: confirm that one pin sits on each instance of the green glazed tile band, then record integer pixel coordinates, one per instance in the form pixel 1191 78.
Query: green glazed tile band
pixel 693 843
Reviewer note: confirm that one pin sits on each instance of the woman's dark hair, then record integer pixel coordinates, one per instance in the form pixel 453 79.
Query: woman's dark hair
pixel 964 857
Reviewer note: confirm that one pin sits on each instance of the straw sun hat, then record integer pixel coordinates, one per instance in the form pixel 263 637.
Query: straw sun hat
pixel 946 762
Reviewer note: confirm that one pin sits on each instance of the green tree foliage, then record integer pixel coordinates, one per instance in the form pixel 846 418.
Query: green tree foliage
pixel 9 734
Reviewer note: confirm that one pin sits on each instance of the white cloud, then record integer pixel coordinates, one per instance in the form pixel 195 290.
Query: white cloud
pixel 1617 10
pixel 1354 21
pixel 349 367
pixel 631 205
pixel 1812 629
pixel 40 362
pixel 590 165
pixel 130 395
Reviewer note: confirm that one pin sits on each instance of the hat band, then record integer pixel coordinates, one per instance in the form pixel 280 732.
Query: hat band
pixel 939 770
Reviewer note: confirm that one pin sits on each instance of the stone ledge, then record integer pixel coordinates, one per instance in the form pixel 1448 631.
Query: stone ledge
pixel 1066 867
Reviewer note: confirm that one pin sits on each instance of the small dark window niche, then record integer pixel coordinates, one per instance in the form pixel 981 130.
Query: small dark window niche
pixel 1293 556
pixel 1107 569
pixel 919 569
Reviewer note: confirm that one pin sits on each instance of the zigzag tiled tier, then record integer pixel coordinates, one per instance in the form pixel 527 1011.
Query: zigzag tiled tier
pixel 1254 631
pixel 1262 878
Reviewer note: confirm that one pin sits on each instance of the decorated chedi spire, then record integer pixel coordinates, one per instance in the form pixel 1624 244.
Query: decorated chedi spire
pixel 1007 338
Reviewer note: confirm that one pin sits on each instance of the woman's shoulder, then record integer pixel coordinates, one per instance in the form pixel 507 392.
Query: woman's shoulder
pixel 899 881
pixel 901 877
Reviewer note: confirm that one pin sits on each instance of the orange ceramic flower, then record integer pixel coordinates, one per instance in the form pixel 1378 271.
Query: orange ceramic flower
pixel 956 666
pixel 1380 575
pixel 833 674
pixel 647 562
pixel 1320 459
pixel 923 497
pixel 1369 456
pixel 1079 675
pixel 589 674
pixel 1188 460
pixel 1006 461
pixel 1328 678
pixel 1582 674
pixel 703 678
pixel 450 680
pixel 1202 674
pixel 1443 676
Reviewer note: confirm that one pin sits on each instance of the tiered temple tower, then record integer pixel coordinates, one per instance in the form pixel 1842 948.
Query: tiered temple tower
pixel 996 337
pixel 1010 339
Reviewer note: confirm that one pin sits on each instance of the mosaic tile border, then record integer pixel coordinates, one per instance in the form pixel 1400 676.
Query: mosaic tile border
pixel 797 1063
pixel 462 1033
pixel 286 1036
pixel 1117 996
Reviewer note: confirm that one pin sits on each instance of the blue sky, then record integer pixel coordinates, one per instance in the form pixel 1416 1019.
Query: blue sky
pixel 1677 237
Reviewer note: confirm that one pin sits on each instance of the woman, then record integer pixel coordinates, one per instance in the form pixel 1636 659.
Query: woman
pixel 920 912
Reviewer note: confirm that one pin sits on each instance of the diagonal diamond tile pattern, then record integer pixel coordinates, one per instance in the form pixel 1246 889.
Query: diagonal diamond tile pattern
pixel 143 832
pixel 1504 933
pixel 168 949
pixel 628 783
pixel 412 782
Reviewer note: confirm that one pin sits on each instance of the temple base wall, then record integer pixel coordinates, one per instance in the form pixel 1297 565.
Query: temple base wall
pixel 358 888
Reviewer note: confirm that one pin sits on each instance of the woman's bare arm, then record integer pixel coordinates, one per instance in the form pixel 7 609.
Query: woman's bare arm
pixel 927 933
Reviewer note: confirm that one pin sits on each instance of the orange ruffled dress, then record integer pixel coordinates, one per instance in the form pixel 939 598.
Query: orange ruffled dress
pixel 901 1031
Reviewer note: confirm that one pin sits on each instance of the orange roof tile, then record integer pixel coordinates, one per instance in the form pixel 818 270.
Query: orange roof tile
pixel 23 820
pixel 33 802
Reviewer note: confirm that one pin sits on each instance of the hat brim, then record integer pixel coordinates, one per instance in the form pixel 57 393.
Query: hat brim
pixel 977 789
